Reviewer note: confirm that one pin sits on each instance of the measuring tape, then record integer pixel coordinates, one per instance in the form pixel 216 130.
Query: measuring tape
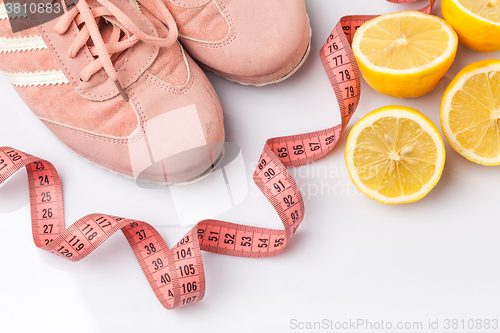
pixel 176 275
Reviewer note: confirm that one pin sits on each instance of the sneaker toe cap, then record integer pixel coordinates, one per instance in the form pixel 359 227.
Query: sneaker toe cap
pixel 268 40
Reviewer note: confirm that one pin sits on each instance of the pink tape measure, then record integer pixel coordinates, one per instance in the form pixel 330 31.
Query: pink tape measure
pixel 176 275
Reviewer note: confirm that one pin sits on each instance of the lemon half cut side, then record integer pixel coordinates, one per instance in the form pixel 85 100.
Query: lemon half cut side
pixel 395 155
pixel 404 54
pixel 477 22
pixel 470 112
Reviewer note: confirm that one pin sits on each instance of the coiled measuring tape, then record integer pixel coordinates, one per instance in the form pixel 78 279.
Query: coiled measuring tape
pixel 176 275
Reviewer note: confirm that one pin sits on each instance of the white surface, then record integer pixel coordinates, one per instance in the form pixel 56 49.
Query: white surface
pixel 352 258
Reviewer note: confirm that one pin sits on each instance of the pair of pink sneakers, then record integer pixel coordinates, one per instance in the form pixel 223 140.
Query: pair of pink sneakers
pixel 113 81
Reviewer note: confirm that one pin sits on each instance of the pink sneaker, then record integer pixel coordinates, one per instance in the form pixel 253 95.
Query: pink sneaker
pixel 113 83
pixel 249 41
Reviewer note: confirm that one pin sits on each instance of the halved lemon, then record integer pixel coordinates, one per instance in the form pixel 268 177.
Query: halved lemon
pixel 477 22
pixel 404 54
pixel 395 155
pixel 470 112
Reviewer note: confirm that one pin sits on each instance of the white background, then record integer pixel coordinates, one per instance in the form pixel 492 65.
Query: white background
pixel 352 258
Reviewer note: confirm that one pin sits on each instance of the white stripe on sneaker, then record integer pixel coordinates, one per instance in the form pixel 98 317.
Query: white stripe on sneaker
pixel 36 78
pixel 3 12
pixel 21 44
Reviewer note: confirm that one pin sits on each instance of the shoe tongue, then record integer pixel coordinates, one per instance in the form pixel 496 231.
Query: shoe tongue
pixel 191 3
pixel 106 29
pixel 106 26
pixel 93 3
pixel 147 8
